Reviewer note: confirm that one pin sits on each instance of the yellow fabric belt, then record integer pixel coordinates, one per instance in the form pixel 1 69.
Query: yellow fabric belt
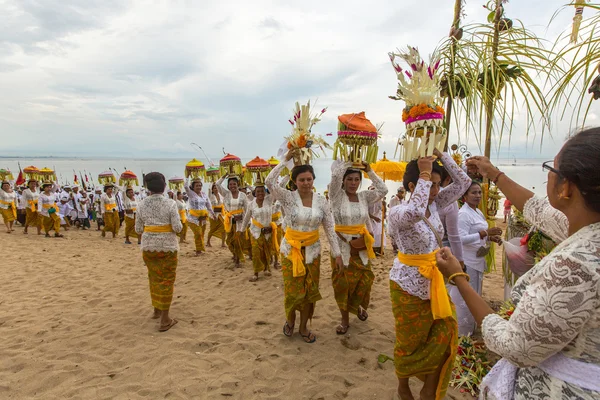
pixel 227 215
pixel 440 304
pixel 276 216
pixel 110 207
pixel 297 240
pixel 182 216
pixel 158 228
pixel 359 230
pixel 32 205
pixel 11 205
pixel 49 206
pixel 273 233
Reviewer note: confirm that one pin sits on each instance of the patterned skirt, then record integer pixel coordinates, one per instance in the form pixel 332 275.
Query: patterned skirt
pixel 112 223
pixel 161 275
pixel 300 291
pixel 261 253
pixel 32 218
pixel 51 222
pixel 422 343
pixel 217 228
pixel 130 227
pixel 352 285
pixel 7 214
pixel 235 242
pixel 198 230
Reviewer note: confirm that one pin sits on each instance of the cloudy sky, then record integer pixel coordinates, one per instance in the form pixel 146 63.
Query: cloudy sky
pixel 146 78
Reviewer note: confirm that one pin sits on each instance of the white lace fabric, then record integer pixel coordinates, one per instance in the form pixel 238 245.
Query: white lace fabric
pixel 262 215
pixel 346 212
pixel 46 199
pixel 106 200
pixel 230 203
pixel 304 219
pixel 557 309
pixel 198 202
pixel 157 210
pixel 8 197
pixel 414 236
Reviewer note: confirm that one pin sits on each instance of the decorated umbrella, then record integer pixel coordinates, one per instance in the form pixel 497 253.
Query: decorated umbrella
pixel 106 177
pixel 32 172
pixel 230 164
pixel 212 173
pixel 389 170
pixel 47 174
pixel 195 169
pixel 6 175
pixel 176 183
pixel 357 140
pixel 273 162
pixel 257 170
pixel 128 178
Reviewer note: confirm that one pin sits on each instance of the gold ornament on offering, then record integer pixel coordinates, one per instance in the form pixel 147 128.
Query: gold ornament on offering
pixel 195 169
pixel 357 140
pixel 302 141
pixel 32 173
pixel 213 173
pixel 493 198
pixel 231 165
pixel 6 175
pixel 107 178
pixel 176 183
pixel 419 87
pixel 47 174
pixel 459 153
pixel 257 171
pixel 128 179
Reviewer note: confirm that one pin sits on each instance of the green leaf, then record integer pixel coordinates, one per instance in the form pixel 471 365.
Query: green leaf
pixel 491 17
pixel 383 358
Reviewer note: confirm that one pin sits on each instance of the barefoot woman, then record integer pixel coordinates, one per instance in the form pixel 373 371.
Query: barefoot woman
pixel 304 212
pixel 8 205
pixel 158 222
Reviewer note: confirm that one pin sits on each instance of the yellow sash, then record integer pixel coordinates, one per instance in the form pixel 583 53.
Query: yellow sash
pixel 11 205
pixel 49 206
pixel 273 234
pixel 110 206
pixel 359 230
pixel 297 240
pixel 32 205
pixel 199 213
pixel 276 216
pixel 227 215
pixel 182 216
pixel 158 228
pixel 440 304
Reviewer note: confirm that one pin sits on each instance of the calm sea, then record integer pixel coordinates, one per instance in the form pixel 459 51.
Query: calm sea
pixel 527 173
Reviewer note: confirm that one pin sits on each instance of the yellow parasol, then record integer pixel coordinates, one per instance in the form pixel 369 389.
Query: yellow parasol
pixel 389 170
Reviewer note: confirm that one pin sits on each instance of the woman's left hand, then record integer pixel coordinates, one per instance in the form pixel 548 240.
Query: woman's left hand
pixel 367 166
pixel 437 153
pixel 447 263
pixel 339 263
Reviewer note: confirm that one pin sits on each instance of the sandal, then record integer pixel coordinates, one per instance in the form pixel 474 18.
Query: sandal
pixel 164 328
pixel 58 235
pixel 307 338
pixel 253 278
pixel 342 329
pixel 362 314
pixel 289 329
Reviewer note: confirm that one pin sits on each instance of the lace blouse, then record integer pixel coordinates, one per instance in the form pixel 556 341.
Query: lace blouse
pixel 413 236
pixel 7 197
pixel 346 212
pixel 28 196
pixel 262 215
pixel 129 204
pixel 304 219
pixel 557 309
pixel 470 223
pixel 449 217
pixel 198 202
pixel 106 201
pixel 47 199
pixel 157 210
pixel 216 202
pixel 229 202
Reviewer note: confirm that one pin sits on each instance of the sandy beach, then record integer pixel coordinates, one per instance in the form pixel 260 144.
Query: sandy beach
pixel 76 324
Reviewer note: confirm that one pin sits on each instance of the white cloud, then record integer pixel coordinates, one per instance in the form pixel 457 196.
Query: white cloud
pixel 147 78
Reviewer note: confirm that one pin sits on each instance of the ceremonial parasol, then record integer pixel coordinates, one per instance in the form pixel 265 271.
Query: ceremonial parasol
pixel 357 140
pixel 31 172
pixel 389 170
pixel 230 164
pixel 128 178
pixel 257 170
pixel 47 174
pixel 6 175
pixel 195 169
pixel 106 177
pixel 213 173
pixel 176 183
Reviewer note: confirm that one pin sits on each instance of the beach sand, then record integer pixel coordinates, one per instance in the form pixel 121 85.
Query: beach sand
pixel 75 323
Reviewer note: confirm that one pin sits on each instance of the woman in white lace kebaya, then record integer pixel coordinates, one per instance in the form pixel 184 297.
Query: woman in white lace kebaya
pixel 130 206
pixel 426 329
pixel 551 343
pixel 216 225
pixel 110 211
pixel 8 205
pixel 352 284
pixel 304 212
pixel 199 211
pixel 235 204
pixel 158 223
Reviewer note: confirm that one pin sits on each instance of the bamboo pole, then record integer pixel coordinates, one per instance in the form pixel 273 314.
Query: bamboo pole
pixel 492 96
pixel 450 77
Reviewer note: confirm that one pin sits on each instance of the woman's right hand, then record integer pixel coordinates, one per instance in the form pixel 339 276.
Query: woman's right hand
pixel 425 164
pixel 290 154
pixel 447 263
pixel 484 166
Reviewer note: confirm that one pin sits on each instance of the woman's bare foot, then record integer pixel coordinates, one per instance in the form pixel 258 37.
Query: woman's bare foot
pixel 208 244
pixel 167 326
pixel 156 314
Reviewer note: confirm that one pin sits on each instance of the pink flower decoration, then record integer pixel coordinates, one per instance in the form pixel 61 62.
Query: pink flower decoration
pixel 397 68
pixel 408 74
pixel 291 122
pixel 413 66
pixel 323 110
pixel 429 72
pixel 437 65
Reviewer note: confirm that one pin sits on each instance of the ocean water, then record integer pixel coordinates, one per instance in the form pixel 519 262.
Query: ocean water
pixel 527 173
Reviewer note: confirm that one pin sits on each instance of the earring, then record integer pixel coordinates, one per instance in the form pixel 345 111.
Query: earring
pixel 565 197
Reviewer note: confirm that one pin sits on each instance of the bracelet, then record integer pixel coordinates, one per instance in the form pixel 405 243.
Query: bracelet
pixel 426 173
pixel 495 180
pixel 451 277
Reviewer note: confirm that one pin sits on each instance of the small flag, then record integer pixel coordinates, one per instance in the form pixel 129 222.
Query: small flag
pixel 20 179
